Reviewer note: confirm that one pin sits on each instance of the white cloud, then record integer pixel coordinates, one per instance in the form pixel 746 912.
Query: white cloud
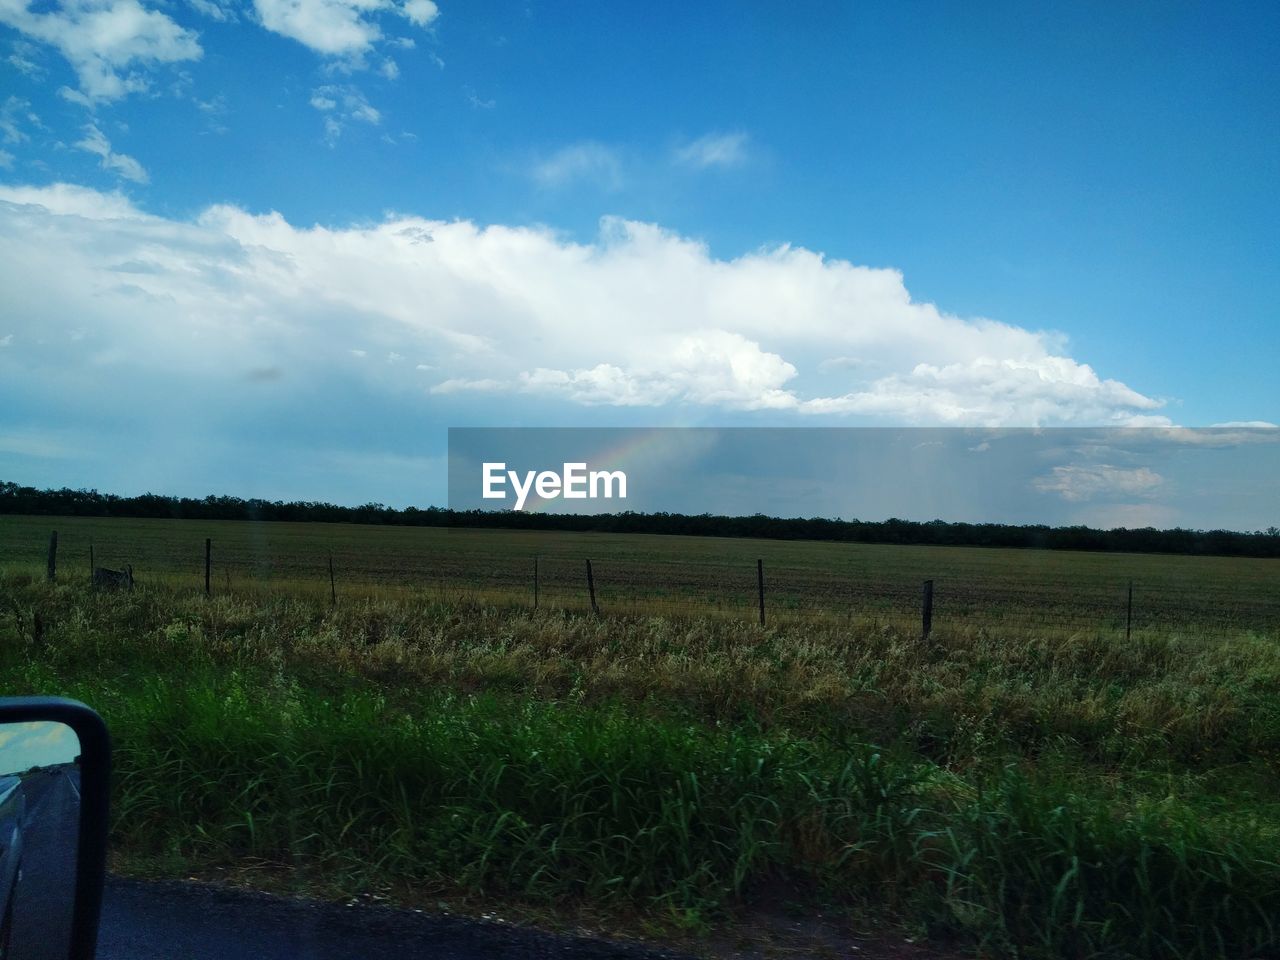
pixel 579 161
pixel 389 69
pixel 331 27
pixel 474 99
pixel 1080 482
pixel 461 386
pixel 14 114
pixel 215 10
pixel 338 28
pixel 640 317
pixel 365 113
pixel 342 104
pixel 714 150
pixel 712 368
pixel 991 390
pixel 1166 435
pixel 76 97
pixel 420 12
pixel 6 160
pixel 95 142
pixel 68 200
pixel 214 110
pixel 102 39
pixel 6 340
pixel 23 59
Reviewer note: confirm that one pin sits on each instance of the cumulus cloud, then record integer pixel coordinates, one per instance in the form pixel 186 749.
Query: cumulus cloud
pixel 1079 482
pixel 95 142
pixel 711 367
pixel 338 28
pixel 714 150
pixel 639 317
pixel 69 200
pixel 420 12
pixel 995 390
pixel 109 43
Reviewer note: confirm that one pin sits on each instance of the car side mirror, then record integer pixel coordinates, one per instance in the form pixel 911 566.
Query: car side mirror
pixel 55 764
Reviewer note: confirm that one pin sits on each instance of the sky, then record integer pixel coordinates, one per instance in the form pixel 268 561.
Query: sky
pixel 36 743
pixel 1106 477
pixel 277 248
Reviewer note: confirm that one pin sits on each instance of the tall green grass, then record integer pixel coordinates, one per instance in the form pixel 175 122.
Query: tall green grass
pixel 1043 796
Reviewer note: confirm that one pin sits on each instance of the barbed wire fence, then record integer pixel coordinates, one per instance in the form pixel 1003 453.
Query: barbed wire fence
pixel 759 589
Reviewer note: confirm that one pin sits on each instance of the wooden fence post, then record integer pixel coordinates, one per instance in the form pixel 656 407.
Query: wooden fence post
pixel 926 610
pixel 208 561
pixel 1128 617
pixel 333 588
pixel 53 555
pixel 760 587
pixel 591 588
pixel 535 583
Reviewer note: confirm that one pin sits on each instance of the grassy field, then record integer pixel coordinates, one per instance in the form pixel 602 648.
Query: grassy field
pixel 1024 590
pixel 1025 783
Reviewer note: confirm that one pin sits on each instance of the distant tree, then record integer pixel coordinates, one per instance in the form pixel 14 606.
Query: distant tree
pixel 16 499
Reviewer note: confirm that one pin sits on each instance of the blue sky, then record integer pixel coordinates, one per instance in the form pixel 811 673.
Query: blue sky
pixel 277 247
pixel 36 743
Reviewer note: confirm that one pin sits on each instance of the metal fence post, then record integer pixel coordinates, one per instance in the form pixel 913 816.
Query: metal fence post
pixel 591 588
pixel 760 587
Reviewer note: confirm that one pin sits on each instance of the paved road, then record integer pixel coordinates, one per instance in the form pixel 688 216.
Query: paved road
pixel 42 907
pixel 188 921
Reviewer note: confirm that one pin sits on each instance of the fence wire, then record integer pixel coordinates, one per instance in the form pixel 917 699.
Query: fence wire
pixel 1014 591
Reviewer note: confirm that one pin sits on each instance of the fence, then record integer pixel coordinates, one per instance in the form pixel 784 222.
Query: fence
pixel 918 588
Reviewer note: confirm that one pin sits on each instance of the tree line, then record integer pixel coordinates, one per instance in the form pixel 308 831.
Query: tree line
pixel 15 499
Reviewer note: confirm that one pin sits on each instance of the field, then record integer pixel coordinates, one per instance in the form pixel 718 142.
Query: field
pixel 1025 782
pixel 1022 590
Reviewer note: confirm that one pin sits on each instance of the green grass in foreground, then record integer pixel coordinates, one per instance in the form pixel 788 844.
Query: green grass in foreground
pixel 1039 796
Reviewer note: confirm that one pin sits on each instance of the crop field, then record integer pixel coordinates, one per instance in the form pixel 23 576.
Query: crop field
pixel 1025 782
pixel 1023 590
